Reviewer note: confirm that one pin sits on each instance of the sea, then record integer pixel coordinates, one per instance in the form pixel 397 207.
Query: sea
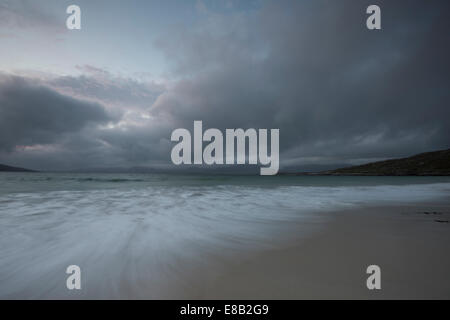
pixel 142 235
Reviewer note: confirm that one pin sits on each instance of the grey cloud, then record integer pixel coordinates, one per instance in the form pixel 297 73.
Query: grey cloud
pixel 100 85
pixel 335 89
pixel 62 115
pixel 338 92
pixel 31 113
pixel 27 14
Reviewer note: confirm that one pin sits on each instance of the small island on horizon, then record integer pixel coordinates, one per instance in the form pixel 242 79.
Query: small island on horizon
pixel 5 168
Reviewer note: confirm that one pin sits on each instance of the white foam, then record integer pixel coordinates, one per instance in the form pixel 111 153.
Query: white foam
pixel 144 239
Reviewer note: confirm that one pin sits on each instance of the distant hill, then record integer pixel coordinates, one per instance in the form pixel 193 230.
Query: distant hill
pixel 435 163
pixel 13 169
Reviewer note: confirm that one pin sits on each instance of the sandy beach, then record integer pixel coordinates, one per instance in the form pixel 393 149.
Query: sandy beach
pixel 409 243
pixel 196 237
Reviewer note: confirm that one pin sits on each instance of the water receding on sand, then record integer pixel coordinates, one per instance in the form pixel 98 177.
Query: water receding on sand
pixel 142 235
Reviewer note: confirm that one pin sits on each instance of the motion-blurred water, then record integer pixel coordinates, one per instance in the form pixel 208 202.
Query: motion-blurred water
pixel 141 235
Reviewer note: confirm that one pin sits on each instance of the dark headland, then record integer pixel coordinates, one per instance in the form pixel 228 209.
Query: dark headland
pixel 436 163
pixel 6 168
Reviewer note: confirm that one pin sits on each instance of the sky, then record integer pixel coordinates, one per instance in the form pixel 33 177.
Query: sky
pixel 109 95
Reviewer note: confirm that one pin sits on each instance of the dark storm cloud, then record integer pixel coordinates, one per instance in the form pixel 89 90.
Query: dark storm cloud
pixel 32 114
pixel 338 92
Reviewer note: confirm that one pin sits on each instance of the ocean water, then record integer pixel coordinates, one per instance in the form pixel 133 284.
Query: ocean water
pixel 142 235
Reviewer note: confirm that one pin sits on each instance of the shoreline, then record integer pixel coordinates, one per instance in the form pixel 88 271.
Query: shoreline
pixel 323 255
pixel 410 246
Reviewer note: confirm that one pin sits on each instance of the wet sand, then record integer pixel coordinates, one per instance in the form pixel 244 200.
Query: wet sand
pixel 324 256
pixel 411 244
